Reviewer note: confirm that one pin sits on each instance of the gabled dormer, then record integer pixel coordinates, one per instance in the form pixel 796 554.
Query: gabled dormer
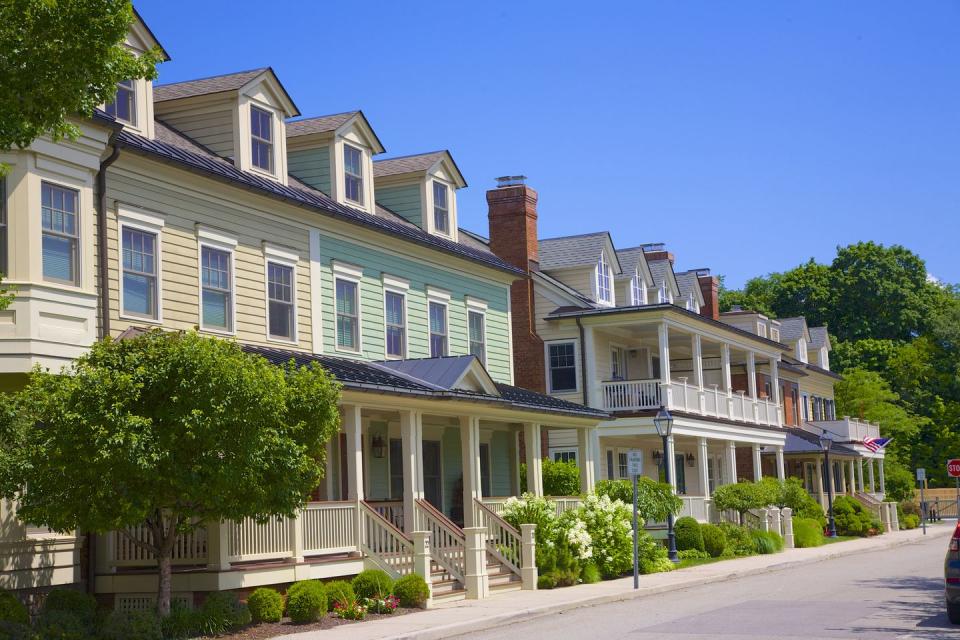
pixel 820 347
pixel 588 263
pixel 635 281
pixel 239 116
pixel 334 154
pixel 666 289
pixel 423 189
pixel 691 295
pixel 133 105
pixel 795 333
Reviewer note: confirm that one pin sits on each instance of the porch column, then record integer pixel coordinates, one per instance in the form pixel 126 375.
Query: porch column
pixel 731 462
pixel 591 386
pixel 663 338
pixel 595 452
pixel 585 445
pixel 862 489
pixel 411 446
pixel 531 443
pixel 757 463
pixel 470 446
pixel 752 375
pixel 775 386
pixel 883 485
pixel 819 483
pixel 852 480
pixel 873 484
pixel 843 476
pixel 704 467
pixel 671 462
pixel 781 468
pixel 331 479
pixel 353 427
pixel 727 380
pixel 696 349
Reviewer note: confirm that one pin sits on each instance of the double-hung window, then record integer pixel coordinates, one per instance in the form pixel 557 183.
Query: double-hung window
pixel 261 139
pixel 348 316
pixel 139 272
pixel 281 311
pixel 59 211
pixel 216 278
pixel 441 209
pixel 564 455
pixel 394 304
pixel 562 361
pixel 604 285
pixel 438 329
pixel 638 290
pixel 124 105
pixel 353 174
pixel 478 337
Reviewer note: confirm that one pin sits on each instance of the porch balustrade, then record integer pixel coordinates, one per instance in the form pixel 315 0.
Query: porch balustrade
pixel 447 542
pixel 697 507
pixel 560 503
pixel 631 395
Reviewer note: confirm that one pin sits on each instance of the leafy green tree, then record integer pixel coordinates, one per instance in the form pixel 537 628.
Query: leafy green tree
pixel 742 497
pixel 61 58
pixel 655 500
pixel 167 430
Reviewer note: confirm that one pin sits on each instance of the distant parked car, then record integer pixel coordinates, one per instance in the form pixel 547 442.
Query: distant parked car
pixel 951 574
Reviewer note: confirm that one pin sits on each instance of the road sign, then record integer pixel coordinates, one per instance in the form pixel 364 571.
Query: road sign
pixel 953 468
pixel 921 475
pixel 634 462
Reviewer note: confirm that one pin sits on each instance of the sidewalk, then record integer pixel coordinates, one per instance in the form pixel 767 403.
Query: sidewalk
pixel 456 618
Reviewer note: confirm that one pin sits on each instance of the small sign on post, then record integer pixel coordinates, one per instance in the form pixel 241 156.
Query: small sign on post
pixel 922 480
pixel 634 470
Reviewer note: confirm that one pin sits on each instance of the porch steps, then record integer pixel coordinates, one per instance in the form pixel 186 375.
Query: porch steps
pixel 500 578
pixel 443 586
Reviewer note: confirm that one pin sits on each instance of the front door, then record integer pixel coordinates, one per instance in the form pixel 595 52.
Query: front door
pixel 432 480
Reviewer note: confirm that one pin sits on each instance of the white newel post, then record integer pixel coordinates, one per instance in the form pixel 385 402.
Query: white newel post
pixel 752 385
pixel 885 516
pixel 731 462
pixel 775 387
pixel 476 565
pixel 470 445
pixel 727 380
pixel 781 466
pixel 757 463
pixel 873 482
pixel 585 445
pixel 764 519
pixel 773 515
pixel 218 545
pixel 786 515
pixel 704 467
pixel 883 484
pixel 411 448
pixel 696 346
pixel 421 559
pixel 894 517
pixel 532 453
pixel 528 557
pixel 295 535
pixel 663 339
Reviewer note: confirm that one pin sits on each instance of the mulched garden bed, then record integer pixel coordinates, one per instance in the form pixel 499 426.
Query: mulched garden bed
pixel 273 629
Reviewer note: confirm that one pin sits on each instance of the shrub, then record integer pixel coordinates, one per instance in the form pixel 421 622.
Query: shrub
pixel 807 533
pixel 655 500
pixel 353 610
pixel 266 605
pixel 546 581
pixel 339 591
pixel 15 631
pixel 560 478
pixel 412 591
pixel 221 612
pixel 656 565
pixel 851 518
pixel 766 541
pixel 530 509
pixel 82 605
pixel 911 521
pixel 56 624
pixel 590 574
pixel 739 542
pixel 131 625
pixel 714 539
pixel 688 534
pixel 306 601
pixel 372 583
pixel 182 622
pixel 693 554
pixel 12 610
pixel 609 528
pixel 812 511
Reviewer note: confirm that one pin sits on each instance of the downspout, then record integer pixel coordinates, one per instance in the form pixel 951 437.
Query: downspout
pixel 583 367
pixel 103 294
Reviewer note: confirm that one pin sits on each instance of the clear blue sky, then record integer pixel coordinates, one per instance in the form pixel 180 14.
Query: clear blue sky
pixel 748 136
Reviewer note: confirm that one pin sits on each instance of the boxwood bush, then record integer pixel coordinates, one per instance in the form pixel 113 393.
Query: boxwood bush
pixel 339 591
pixel 412 591
pixel 739 542
pixel 221 612
pixel 372 583
pixel 12 610
pixel 306 601
pixel 131 625
pixel 56 624
pixel 688 534
pixel 852 519
pixel 807 533
pixel 81 605
pixel 714 540
pixel 266 605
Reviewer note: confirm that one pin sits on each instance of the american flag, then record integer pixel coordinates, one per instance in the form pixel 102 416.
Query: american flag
pixel 875 444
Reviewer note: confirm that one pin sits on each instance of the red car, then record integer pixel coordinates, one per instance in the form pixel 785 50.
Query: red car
pixel 951 574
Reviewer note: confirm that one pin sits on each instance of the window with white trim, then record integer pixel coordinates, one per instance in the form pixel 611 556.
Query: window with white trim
pixel 353 174
pixel 261 138
pixel 348 316
pixel 761 330
pixel 124 105
pixel 478 334
pixel 140 273
pixel 438 329
pixel 638 290
pixel 281 312
pixel 60 247
pixel 604 280
pixel 564 455
pixel 662 297
pixel 395 316
pixel 216 279
pixel 562 366
pixel 802 350
pixel 441 208
pixel 622 466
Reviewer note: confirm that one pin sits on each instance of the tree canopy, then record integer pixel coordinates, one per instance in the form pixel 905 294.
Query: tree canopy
pixel 167 429
pixel 61 58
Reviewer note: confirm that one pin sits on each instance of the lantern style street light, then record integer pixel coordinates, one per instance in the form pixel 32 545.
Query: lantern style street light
pixel 825 443
pixel 664 424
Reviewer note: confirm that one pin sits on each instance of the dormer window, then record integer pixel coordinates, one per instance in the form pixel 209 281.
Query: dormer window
pixel 353 174
pixel 441 210
pixel 124 105
pixel 638 290
pixel 692 303
pixel 761 330
pixel 662 294
pixel 801 350
pixel 261 139
pixel 604 288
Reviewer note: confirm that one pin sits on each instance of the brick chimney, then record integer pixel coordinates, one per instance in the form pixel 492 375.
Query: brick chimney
pixel 512 215
pixel 710 287
pixel 656 251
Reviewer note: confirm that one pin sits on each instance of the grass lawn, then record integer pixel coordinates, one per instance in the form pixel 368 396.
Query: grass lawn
pixel 839 539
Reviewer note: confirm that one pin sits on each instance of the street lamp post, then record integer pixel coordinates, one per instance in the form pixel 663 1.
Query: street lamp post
pixel 825 443
pixel 664 424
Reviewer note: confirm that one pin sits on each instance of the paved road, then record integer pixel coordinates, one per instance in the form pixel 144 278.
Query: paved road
pixel 889 594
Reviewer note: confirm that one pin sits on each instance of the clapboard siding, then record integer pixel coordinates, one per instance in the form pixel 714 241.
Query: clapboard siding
pixel 403 200
pixel 211 128
pixel 312 166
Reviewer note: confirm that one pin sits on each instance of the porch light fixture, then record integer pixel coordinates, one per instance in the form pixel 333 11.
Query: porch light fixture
pixel 664 424
pixel 378 447
pixel 657 457
pixel 826 442
pixel 690 460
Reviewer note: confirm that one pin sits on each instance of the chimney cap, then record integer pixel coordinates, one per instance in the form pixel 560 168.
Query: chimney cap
pixel 703 271
pixel 651 247
pixel 510 181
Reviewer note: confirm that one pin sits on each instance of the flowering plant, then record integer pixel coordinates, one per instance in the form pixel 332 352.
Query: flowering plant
pixel 349 610
pixel 608 523
pixel 386 604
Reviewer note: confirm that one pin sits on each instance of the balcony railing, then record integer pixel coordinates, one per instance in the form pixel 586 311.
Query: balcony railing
pixel 636 395
pixel 850 429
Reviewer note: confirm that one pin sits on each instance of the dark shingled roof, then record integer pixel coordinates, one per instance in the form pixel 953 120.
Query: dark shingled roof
pixel 319 124
pixel 574 251
pixel 818 337
pixel 203 86
pixel 629 261
pixel 791 329
pixel 406 164
pixel 803 441
pixel 171 146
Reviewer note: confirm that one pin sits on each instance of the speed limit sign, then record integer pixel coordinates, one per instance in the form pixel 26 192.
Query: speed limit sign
pixel 953 468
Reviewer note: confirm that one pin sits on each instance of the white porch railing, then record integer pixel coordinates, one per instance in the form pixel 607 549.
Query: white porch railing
pixel 560 503
pixel 329 527
pixel 385 544
pixel 631 394
pixel 189 549
pixel 392 510
pixel 711 401
pixel 503 541
pixel 447 542
pixel 697 507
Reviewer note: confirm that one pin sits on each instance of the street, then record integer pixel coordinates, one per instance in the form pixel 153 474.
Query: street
pixel 895 593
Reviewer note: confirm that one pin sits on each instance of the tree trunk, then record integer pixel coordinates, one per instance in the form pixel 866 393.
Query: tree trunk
pixel 163 584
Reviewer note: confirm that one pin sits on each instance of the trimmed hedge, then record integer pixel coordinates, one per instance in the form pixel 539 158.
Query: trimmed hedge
pixel 807 533
pixel 12 610
pixel 306 601
pixel 221 612
pixel 739 541
pixel 412 591
pixel 131 625
pixel 266 605
pixel 714 540
pixel 852 519
pixel 372 583
pixel 339 591
pixel 688 534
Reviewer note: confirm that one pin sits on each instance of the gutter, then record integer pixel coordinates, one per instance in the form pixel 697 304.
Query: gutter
pixel 583 366
pixel 103 273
